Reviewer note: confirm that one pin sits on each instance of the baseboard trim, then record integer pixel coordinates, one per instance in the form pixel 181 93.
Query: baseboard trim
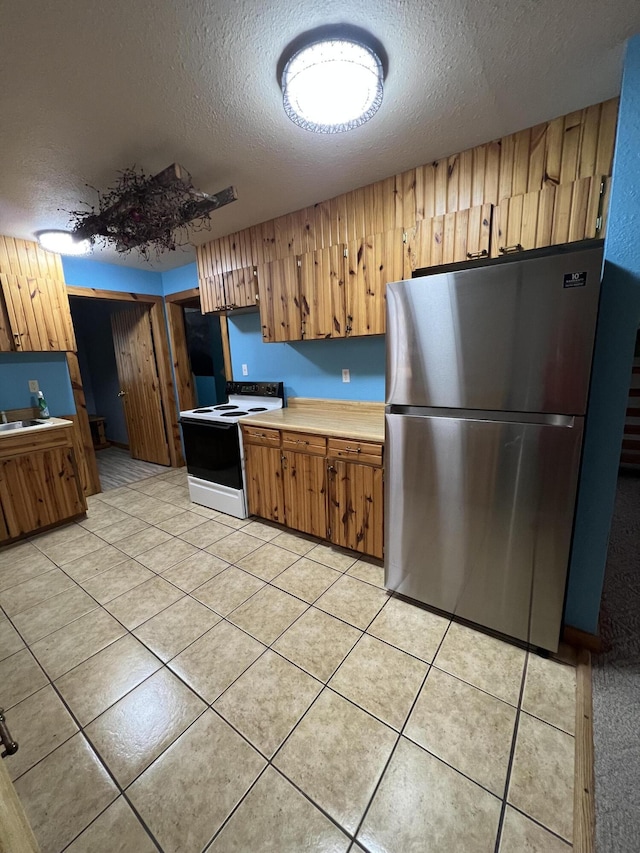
pixel 581 639
pixel 584 806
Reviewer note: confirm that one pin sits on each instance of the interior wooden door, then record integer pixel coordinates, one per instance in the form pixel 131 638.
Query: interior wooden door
pixel 185 385
pixel 139 384
pixel 305 494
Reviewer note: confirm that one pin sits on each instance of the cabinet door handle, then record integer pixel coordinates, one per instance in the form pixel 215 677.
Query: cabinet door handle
pixel 9 744
pixel 509 250
pixel 474 255
pixel 353 450
pixel 331 469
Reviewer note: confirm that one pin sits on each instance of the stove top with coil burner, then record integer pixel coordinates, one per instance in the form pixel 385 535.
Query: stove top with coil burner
pixel 243 398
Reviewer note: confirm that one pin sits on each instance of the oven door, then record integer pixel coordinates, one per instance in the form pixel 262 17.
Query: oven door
pixel 213 451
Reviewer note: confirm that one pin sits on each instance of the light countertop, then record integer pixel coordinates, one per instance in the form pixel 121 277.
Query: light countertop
pixel 334 418
pixel 49 423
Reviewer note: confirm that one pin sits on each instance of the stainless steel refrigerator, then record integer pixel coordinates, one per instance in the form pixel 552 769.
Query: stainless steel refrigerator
pixel 486 389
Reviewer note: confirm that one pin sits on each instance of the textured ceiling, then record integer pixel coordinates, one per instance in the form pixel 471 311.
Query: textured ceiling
pixel 89 87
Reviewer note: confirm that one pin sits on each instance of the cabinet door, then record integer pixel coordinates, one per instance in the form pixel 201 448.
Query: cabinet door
pixel 450 238
pixel 38 313
pixel 551 216
pixel 39 489
pixel 305 494
pixel 356 516
pixel 278 290
pixel 241 288
pixel 322 293
pixel 212 297
pixel 264 481
pixel 372 263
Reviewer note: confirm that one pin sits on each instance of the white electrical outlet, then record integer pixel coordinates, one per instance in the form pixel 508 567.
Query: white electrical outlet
pixel 346 375
pixel 245 370
pixel 33 386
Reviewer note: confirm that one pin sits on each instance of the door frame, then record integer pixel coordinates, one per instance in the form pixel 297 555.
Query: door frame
pixel 161 341
pixel 174 305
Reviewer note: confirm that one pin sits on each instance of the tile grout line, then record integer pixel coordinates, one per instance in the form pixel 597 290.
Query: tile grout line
pixel 398 739
pixel 512 752
pixel 81 731
pixel 324 684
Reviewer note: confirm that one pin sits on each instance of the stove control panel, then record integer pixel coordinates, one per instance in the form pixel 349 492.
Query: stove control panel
pixel 256 389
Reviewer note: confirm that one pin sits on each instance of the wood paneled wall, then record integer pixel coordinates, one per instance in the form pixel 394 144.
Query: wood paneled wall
pixel 22 257
pixel 557 152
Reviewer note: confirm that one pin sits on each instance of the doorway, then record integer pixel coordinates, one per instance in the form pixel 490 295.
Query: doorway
pixel 200 348
pixel 120 375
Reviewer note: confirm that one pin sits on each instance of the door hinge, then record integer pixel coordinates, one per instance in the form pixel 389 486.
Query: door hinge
pixel 599 216
pixel 299 262
pixel 404 236
pixel 328 533
pixel 345 252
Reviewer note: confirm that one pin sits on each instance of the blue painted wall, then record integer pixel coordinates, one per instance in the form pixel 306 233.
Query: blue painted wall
pixel 182 278
pixel 84 272
pixel 309 368
pixel 50 369
pixel 617 326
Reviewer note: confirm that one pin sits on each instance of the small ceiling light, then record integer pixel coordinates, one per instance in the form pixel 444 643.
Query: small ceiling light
pixel 332 85
pixel 62 242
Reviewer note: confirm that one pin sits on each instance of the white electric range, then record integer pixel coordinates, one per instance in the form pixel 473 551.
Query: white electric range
pixel 213 445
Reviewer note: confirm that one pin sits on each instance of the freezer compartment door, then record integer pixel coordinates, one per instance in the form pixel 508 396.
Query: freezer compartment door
pixel 512 337
pixel 478 518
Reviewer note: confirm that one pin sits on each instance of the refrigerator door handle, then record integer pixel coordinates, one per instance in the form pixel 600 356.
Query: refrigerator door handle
pixel 567 421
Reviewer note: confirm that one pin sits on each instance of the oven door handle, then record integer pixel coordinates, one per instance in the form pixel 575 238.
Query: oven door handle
pixel 202 422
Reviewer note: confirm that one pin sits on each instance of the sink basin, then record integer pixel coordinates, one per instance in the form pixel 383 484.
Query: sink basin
pixel 19 425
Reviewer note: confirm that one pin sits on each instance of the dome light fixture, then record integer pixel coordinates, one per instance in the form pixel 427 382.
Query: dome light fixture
pixel 62 242
pixel 331 85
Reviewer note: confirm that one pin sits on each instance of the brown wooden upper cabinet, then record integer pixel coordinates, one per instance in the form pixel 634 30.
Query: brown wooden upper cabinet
pixel 228 291
pixel 452 237
pixel 34 315
pixel 372 263
pixel 279 292
pixel 322 293
pixel 551 216
pixel 330 293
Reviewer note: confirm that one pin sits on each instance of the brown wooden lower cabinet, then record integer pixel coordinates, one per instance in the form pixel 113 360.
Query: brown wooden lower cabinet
pixel 330 489
pixel 355 506
pixel 305 493
pixel 264 480
pixel 39 482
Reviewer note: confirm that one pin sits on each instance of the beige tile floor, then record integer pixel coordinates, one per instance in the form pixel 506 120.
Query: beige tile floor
pixel 179 680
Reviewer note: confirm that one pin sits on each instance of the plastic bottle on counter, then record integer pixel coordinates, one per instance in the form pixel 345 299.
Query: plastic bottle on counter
pixel 42 405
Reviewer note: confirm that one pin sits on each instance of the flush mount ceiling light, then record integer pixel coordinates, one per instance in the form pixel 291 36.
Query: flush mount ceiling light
pixel 62 242
pixel 333 84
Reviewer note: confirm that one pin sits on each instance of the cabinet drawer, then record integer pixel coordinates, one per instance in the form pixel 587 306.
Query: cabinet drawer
pixel 261 435
pixel 304 442
pixel 356 451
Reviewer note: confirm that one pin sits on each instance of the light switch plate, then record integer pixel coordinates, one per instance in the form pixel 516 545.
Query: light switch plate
pixel 33 386
pixel 245 370
pixel 346 375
